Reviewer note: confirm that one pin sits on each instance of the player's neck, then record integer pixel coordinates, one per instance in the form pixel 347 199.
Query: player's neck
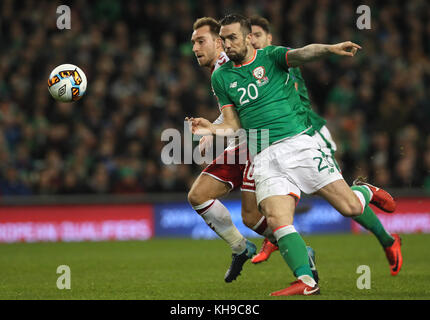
pixel 250 54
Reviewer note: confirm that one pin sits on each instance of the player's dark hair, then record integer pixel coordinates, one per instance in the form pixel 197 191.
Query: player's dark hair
pixel 245 23
pixel 263 23
pixel 213 25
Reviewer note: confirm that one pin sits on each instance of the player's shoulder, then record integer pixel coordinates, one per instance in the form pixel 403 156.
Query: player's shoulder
pixel 222 69
pixel 268 48
pixel 273 48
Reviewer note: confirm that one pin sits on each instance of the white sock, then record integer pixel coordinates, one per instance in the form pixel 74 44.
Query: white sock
pixel 283 231
pixel 218 219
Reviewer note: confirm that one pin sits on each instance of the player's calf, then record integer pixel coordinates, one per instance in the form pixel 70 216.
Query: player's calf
pixel 347 202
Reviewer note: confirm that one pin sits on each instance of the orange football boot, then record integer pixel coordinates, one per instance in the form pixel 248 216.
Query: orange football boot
pixel 298 287
pixel 266 250
pixel 394 255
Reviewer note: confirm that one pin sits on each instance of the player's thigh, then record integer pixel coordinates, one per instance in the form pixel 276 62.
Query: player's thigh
pixel 342 198
pixel 250 213
pixel 279 210
pixel 205 188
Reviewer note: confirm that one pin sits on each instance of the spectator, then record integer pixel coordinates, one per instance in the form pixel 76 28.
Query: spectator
pixel 143 78
pixel 12 184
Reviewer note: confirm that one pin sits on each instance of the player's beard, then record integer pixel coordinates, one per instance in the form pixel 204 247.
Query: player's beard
pixel 238 57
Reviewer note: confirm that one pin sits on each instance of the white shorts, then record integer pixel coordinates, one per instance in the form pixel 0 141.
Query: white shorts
pixel 324 136
pixel 293 165
pixel 328 146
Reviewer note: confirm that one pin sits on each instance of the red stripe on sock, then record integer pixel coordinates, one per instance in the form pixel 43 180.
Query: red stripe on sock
pixel 203 210
pixel 280 228
pixel 262 227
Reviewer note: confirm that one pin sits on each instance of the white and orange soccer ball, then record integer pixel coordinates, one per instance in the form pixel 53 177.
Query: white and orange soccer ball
pixel 67 83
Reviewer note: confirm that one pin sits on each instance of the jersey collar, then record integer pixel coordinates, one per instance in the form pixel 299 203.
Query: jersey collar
pixel 248 62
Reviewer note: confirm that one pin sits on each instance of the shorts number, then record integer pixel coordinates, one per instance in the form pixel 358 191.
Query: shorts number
pixel 249 174
pixel 319 165
pixel 328 163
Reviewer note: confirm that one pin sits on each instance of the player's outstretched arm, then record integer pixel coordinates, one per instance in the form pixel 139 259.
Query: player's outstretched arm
pixel 202 126
pixel 297 57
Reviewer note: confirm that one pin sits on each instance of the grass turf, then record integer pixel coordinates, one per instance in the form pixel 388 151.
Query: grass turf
pixel 183 269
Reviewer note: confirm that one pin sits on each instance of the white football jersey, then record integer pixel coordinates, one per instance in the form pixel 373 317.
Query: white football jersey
pixel 232 142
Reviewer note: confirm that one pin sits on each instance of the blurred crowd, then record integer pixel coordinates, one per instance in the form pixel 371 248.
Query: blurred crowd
pixel 143 79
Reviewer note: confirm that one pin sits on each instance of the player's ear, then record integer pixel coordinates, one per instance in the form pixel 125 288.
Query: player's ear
pixel 269 38
pixel 218 43
pixel 249 37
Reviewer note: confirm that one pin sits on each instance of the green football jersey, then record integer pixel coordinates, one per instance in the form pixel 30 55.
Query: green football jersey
pixel 264 96
pixel 316 121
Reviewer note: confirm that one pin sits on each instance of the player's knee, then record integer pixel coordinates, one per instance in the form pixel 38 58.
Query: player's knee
pixel 269 212
pixel 272 222
pixel 195 197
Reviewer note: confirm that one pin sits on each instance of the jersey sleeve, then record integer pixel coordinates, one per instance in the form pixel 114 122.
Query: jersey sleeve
pixel 280 55
pixel 220 93
pixel 295 74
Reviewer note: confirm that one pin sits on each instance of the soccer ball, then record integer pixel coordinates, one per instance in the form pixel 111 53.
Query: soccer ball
pixel 67 83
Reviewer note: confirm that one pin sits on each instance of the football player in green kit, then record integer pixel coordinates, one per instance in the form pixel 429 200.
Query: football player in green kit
pixel 261 38
pixel 256 92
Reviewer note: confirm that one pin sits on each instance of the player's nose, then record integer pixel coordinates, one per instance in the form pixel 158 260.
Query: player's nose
pixel 227 44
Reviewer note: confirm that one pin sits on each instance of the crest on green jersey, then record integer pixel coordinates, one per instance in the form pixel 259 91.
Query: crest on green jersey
pixel 259 72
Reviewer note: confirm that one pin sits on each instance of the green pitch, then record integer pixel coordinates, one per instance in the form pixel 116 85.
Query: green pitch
pixel 178 269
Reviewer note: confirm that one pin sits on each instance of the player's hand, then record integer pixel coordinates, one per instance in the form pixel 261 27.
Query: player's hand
pixel 199 126
pixel 346 48
pixel 205 143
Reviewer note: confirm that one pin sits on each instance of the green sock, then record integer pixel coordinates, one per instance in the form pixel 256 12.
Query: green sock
pixel 364 191
pixel 293 250
pixel 370 221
